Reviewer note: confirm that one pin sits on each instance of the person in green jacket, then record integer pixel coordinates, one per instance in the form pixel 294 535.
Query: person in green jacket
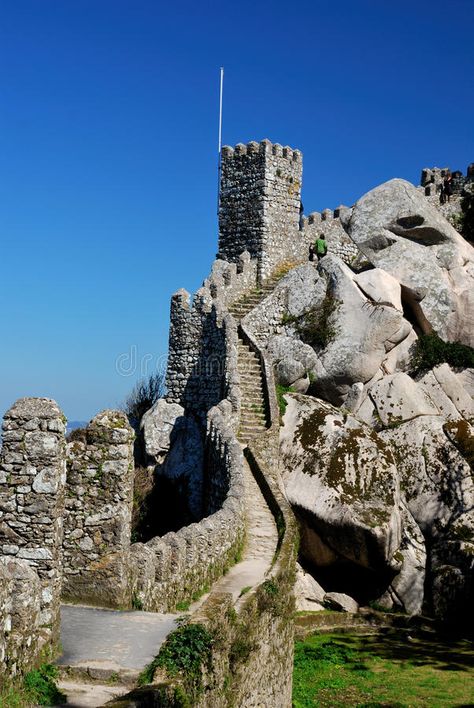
pixel 320 247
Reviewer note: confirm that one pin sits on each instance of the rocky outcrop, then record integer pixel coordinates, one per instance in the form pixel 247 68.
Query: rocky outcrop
pixel 173 442
pixel 341 480
pixel 378 463
pixel 400 232
pixel 156 426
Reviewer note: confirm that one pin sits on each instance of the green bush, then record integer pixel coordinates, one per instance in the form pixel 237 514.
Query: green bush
pixel 40 685
pixel 183 654
pixel 280 392
pixel 430 350
pixel 315 327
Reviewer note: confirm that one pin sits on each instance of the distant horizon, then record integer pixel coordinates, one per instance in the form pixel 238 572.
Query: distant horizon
pixel 109 146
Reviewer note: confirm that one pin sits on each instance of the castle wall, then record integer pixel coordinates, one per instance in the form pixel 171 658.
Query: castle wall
pixel 328 223
pixel 32 478
pixel 200 344
pixel 97 521
pixel 171 569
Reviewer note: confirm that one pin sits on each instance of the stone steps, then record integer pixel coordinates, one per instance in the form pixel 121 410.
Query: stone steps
pixel 247 302
pixel 253 416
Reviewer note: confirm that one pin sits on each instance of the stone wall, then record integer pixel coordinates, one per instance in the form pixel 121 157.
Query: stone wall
pixel 202 352
pixel 21 636
pixel 251 661
pixel 432 179
pixel 97 522
pixel 228 280
pixel 329 224
pixel 32 479
pixel 171 569
pixel 260 204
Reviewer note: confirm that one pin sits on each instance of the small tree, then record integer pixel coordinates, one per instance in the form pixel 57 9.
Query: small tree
pixel 143 395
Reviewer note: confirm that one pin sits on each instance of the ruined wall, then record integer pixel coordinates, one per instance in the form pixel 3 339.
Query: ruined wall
pixel 171 569
pixel 97 522
pixel 32 478
pixel 228 281
pixel 260 204
pixel 21 638
pixel 202 341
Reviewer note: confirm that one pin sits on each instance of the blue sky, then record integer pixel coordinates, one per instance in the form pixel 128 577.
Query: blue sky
pixel 108 129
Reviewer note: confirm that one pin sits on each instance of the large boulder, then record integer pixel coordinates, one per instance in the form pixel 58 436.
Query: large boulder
pixel 398 398
pixel 157 424
pixel 309 595
pixel 400 232
pixel 285 350
pixel 435 477
pixel 184 462
pixel 360 334
pixel 381 287
pixel 341 481
pixel 341 602
pixel 408 586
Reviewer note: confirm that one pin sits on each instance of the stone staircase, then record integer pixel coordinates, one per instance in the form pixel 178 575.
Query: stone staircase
pixel 253 413
pixel 253 297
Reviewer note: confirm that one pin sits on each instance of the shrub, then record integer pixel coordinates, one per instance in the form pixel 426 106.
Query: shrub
pixel 430 350
pixel 315 326
pixel 41 687
pixel 183 654
pixel 144 394
pixel 280 392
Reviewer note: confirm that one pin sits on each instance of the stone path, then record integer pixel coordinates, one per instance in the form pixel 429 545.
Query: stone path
pixel 108 646
pixel 260 546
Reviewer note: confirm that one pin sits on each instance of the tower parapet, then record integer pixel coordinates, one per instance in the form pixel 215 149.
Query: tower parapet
pixel 260 201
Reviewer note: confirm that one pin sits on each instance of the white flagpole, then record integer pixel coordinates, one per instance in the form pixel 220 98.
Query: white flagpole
pixel 220 141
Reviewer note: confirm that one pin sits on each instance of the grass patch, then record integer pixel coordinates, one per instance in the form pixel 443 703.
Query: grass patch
pixel 382 670
pixel 430 350
pixel 280 393
pixel 38 687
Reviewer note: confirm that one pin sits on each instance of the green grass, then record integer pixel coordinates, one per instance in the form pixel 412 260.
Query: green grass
pixel 38 687
pixel 386 670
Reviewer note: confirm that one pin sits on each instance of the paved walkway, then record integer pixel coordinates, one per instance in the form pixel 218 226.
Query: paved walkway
pixel 109 646
pixel 261 543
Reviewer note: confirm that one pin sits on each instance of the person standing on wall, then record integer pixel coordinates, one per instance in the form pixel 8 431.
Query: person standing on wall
pixel 448 186
pixel 320 247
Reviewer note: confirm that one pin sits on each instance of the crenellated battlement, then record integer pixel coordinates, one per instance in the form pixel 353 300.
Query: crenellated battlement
pixel 264 147
pixel 432 179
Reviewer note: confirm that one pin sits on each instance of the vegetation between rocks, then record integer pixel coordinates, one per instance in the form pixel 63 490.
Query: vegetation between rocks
pixel 280 393
pixel 183 656
pixel 430 350
pixel 38 687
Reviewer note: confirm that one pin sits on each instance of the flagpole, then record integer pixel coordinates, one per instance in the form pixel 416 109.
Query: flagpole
pixel 219 164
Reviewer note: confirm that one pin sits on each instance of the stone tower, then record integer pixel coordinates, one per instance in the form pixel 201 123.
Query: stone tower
pixel 260 204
